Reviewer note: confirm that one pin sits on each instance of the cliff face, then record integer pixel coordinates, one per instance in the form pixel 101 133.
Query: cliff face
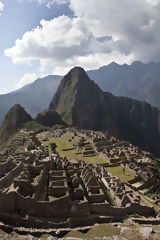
pixel 83 104
pixel 13 120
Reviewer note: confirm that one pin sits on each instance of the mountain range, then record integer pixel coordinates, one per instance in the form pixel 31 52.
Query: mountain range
pixel 139 81
pixel 80 102
pixel 34 97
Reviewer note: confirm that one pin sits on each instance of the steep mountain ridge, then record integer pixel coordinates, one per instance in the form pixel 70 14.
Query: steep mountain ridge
pixel 83 104
pixel 138 80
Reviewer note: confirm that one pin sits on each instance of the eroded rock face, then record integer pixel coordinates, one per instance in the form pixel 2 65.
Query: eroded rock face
pixel 83 104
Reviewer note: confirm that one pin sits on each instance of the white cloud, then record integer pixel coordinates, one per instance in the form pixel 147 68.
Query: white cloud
pixel 134 23
pixel 1 7
pixel 26 79
pixel 49 3
pixel 57 41
pixel 153 2
pixel 64 42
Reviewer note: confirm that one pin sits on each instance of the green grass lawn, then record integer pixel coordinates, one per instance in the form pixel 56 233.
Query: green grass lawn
pixel 118 171
pixel 63 143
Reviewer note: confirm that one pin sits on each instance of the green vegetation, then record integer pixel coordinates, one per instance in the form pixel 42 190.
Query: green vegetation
pixel 118 171
pixel 53 147
pixel 123 158
pixel 64 143
pixel 49 118
pixel 81 142
pixel 100 143
pixel 34 126
pixel 156 171
pixel 58 126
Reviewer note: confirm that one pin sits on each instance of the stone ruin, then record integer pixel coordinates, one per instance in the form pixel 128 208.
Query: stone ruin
pixel 43 190
pixel 137 161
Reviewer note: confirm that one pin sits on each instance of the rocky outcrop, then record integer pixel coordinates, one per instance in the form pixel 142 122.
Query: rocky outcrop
pixel 49 118
pixel 14 119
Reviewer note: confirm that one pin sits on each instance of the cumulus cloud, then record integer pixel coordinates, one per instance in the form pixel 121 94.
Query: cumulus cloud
pixel 1 7
pixel 49 3
pixel 133 24
pixel 153 2
pixel 26 79
pixel 129 30
pixel 57 41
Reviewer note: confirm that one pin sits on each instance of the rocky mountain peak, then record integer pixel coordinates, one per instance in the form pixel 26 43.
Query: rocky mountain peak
pixel 81 103
pixel 13 120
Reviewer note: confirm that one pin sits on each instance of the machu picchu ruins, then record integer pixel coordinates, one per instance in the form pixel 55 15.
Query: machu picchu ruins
pixel 80 168
pixel 42 190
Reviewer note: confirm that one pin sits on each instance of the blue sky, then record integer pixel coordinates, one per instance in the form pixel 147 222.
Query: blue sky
pixel 42 37
pixel 17 18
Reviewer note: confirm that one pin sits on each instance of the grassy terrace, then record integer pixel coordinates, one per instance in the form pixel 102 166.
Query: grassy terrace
pixel 64 143
pixel 118 171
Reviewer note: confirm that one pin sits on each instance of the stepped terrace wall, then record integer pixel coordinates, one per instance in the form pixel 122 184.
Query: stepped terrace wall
pixel 6 167
pixel 60 208
pixel 8 179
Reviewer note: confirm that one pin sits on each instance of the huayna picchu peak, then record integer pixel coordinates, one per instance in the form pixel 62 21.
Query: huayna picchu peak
pixel 81 103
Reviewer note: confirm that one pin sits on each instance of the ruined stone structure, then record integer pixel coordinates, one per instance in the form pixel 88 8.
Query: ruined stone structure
pixel 42 190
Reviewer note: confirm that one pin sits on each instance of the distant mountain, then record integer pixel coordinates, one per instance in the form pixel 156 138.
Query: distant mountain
pixel 138 80
pixel 17 118
pixel 83 104
pixel 14 119
pixel 34 97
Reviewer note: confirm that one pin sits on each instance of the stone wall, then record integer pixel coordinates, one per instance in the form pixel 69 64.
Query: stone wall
pixel 8 179
pixel 6 167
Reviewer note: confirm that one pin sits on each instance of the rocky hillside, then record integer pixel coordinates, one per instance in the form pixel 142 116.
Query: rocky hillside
pixel 14 119
pixel 139 81
pixel 83 104
pixel 49 118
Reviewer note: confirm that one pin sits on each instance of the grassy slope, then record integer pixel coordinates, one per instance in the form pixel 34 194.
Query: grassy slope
pixel 118 171
pixel 63 143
